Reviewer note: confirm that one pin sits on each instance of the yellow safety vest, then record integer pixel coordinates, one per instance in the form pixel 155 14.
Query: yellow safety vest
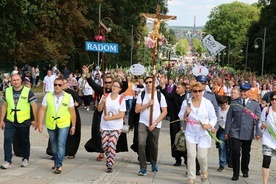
pixel 62 118
pixel 23 108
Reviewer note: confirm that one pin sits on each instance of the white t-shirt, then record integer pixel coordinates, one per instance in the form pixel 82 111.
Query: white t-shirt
pixel 145 115
pixel 58 101
pixel 87 90
pixel 49 83
pixel 222 117
pixel 114 107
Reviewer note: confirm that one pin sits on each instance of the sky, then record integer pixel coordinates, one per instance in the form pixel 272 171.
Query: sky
pixel 185 10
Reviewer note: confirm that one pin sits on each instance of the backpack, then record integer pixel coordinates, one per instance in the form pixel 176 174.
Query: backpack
pixel 180 142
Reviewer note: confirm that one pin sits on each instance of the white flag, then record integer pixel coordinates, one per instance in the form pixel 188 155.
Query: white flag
pixel 212 45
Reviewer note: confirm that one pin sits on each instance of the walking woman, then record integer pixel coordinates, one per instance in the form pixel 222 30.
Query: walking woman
pixel 199 115
pixel 269 143
pixel 114 108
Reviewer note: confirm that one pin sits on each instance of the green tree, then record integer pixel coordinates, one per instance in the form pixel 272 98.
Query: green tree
pixel 229 24
pixel 182 47
pixel 198 47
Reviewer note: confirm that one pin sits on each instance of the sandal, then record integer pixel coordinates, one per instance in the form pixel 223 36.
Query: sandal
pixel 58 170
pixel 204 177
pixel 109 170
pixel 71 157
pixel 100 157
pixel 190 181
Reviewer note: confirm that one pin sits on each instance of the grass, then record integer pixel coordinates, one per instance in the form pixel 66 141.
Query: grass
pixel 37 89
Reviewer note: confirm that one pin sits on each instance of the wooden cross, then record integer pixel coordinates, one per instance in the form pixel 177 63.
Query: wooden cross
pixel 158 18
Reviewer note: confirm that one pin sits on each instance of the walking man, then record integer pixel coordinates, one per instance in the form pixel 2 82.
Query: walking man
pixel 146 130
pixel 60 113
pixel 19 103
pixel 239 127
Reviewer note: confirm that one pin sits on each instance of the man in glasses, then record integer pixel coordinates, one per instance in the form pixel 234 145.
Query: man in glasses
pixel 60 118
pixel 145 129
pixel 19 103
pixel 95 144
pixel 239 127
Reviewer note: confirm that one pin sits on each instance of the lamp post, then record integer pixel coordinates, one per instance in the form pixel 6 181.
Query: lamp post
pixel 132 43
pixel 263 49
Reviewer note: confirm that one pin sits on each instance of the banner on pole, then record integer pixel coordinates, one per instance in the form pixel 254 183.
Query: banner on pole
pixel 212 45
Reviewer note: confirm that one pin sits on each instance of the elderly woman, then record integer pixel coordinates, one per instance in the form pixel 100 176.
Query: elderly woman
pixel 269 143
pixel 200 116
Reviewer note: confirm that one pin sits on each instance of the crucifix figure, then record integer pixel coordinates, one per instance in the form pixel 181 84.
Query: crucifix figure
pixel 157 19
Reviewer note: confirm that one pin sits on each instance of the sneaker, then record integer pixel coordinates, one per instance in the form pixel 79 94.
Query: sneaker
pixel 6 165
pixel 24 163
pixel 220 169
pixel 154 168
pixel 109 170
pixel 142 172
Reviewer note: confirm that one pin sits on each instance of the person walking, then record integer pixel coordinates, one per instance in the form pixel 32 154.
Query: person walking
pixel 176 98
pixel 58 106
pixel 145 129
pixel 114 107
pixel 198 109
pixel 48 82
pixel 239 127
pixel 268 118
pixel 19 102
pixel 94 144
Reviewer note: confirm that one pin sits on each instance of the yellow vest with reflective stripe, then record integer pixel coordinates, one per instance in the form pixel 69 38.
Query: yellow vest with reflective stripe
pixel 62 118
pixel 23 108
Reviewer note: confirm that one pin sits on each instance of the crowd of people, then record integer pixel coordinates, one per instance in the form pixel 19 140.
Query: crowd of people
pixel 236 108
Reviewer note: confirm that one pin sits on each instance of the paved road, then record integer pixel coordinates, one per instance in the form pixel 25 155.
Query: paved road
pixel 84 169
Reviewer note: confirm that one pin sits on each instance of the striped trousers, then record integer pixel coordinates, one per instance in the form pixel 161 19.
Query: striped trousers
pixel 109 142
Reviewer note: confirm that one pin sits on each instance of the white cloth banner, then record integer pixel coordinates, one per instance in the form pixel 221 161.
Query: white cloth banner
pixel 212 45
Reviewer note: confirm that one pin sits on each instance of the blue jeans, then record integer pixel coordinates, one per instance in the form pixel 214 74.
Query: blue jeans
pixel 128 105
pixel 222 148
pixel 58 143
pixel 24 138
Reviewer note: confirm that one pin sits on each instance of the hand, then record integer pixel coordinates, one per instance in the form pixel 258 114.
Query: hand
pixel 181 128
pixel 39 128
pixel 72 130
pixel 104 99
pixel 214 130
pixel 263 125
pixel 258 137
pixel 106 118
pixel 206 126
pixel 150 103
pixel 2 125
pixel 152 127
pixel 76 104
pixel 85 69
pixel 226 136
pixel 120 74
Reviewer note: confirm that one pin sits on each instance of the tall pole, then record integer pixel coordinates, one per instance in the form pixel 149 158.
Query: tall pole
pixel 100 9
pixel 246 52
pixel 263 51
pixel 131 45
pixel 228 55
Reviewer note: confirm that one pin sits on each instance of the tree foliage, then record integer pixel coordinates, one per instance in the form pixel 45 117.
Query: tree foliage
pixel 182 47
pixel 229 24
pixel 55 30
pixel 198 47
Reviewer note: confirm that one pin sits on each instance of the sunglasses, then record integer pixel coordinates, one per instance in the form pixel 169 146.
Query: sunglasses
pixel 149 82
pixel 58 85
pixel 273 99
pixel 108 82
pixel 197 91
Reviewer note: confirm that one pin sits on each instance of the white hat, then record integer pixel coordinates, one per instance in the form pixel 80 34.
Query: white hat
pixel 14 72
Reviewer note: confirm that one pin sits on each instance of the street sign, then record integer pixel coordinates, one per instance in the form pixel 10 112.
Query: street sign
pixel 101 47
pixel 137 69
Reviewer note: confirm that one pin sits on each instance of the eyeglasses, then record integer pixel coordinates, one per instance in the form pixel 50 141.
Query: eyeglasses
pixel 116 86
pixel 197 91
pixel 149 82
pixel 108 82
pixel 58 85
pixel 273 99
